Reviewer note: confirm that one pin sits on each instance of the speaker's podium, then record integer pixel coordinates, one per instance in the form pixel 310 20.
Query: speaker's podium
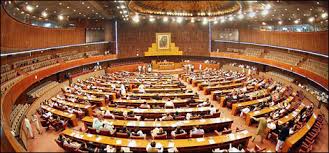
pixel 154 51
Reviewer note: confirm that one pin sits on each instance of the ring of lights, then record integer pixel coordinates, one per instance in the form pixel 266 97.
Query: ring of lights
pixel 191 8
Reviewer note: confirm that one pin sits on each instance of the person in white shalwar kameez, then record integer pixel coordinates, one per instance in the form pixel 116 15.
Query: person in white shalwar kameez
pixel 28 127
pixel 37 123
pixel 123 90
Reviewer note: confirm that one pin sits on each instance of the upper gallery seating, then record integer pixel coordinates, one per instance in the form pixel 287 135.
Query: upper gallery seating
pixel 315 66
pixel 40 90
pixel 16 117
pixel 283 57
pixel 8 75
pixel 282 76
pixel 253 52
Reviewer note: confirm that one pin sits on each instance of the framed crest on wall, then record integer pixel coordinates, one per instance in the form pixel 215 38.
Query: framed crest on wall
pixel 163 40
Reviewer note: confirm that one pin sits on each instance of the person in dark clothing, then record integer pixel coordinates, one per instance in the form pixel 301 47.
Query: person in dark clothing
pixel 282 136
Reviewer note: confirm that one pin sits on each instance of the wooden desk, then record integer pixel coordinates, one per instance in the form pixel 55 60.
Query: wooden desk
pixel 99 101
pixel 149 95
pixel 209 123
pixel 208 89
pixel 177 102
pixel 265 110
pixel 197 144
pixel 88 108
pixel 291 116
pixel 237 106
pixel 71 117
pixel 113 95
pixel 202 85
pixel 224 92
pixel 161 90
pixel 158 111
pixel 293 139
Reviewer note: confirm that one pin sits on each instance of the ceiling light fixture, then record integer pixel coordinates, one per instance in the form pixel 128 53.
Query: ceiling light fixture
pixel 324 15
pixel 29 8
pixel 280 22
pixel 179 19
pixel 252 14
pixel 136 18
pixel 60 17
pixel 192 20
pixel 240 16
pixel 44 14
pixel 165 19
pixel 311 19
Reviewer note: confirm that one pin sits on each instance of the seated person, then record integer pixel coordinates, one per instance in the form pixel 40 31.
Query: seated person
pixel 212 110
pixel 109 114
pixel 124 130
pixel 138 132
pixel 169 104
pixel 166 117
pixel 154 147
pixel 110 149
pixel 177 131
pixel 188 116
pixel 196 130
pixel 145 106
pixel 245 111
pixel 97 124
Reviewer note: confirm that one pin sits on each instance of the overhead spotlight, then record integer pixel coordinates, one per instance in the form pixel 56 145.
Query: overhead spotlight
pixel 240 16
pixel 324 15
pixel 311 19
pixel 192 20
pixel 252 14
pixel 136 18
pixel 268 6
pixel 263 23
pixel 296 21
pixel 179 19
pixel 204 21
pixel 222 20
pixel 122 6
pixel 165 19
pixel 29 8
pixel 60 17
pixel 264 12
pixel 151 19
pixel 44 14
pixel 215 22
pixel 231 18
pixel 280 22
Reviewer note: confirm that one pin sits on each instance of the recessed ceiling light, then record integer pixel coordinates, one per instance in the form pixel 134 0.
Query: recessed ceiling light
pixel 74 10
pixel 29 8
pixel 165 19
pixel 68 7
pixel 88 7
pixel 179 20
pixel 324 15
pixel 60 17
pixel 59 3
pixel 44 14
pixel 311 19
pixel 192 20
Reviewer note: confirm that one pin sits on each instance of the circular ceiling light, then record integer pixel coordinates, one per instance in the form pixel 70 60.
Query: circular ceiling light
pixel 44 14
pixel 29 8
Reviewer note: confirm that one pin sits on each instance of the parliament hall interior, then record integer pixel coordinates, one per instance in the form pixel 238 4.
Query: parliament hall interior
pixel 164 76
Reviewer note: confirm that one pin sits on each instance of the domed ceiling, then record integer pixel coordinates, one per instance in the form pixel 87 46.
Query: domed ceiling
pixel 185 8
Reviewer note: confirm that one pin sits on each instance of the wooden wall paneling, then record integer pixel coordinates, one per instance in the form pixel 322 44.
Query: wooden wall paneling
pixel 20 36
pixel 309 41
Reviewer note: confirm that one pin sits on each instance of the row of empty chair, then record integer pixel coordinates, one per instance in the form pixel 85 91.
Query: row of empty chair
pixel 257 52
pixel 42 89
pixel 315 66
pixel 5 68
pixel 22 63
pixel 8 75
pixel 284 57
pixel 38 65
pixel 16 117
pixel 280 75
